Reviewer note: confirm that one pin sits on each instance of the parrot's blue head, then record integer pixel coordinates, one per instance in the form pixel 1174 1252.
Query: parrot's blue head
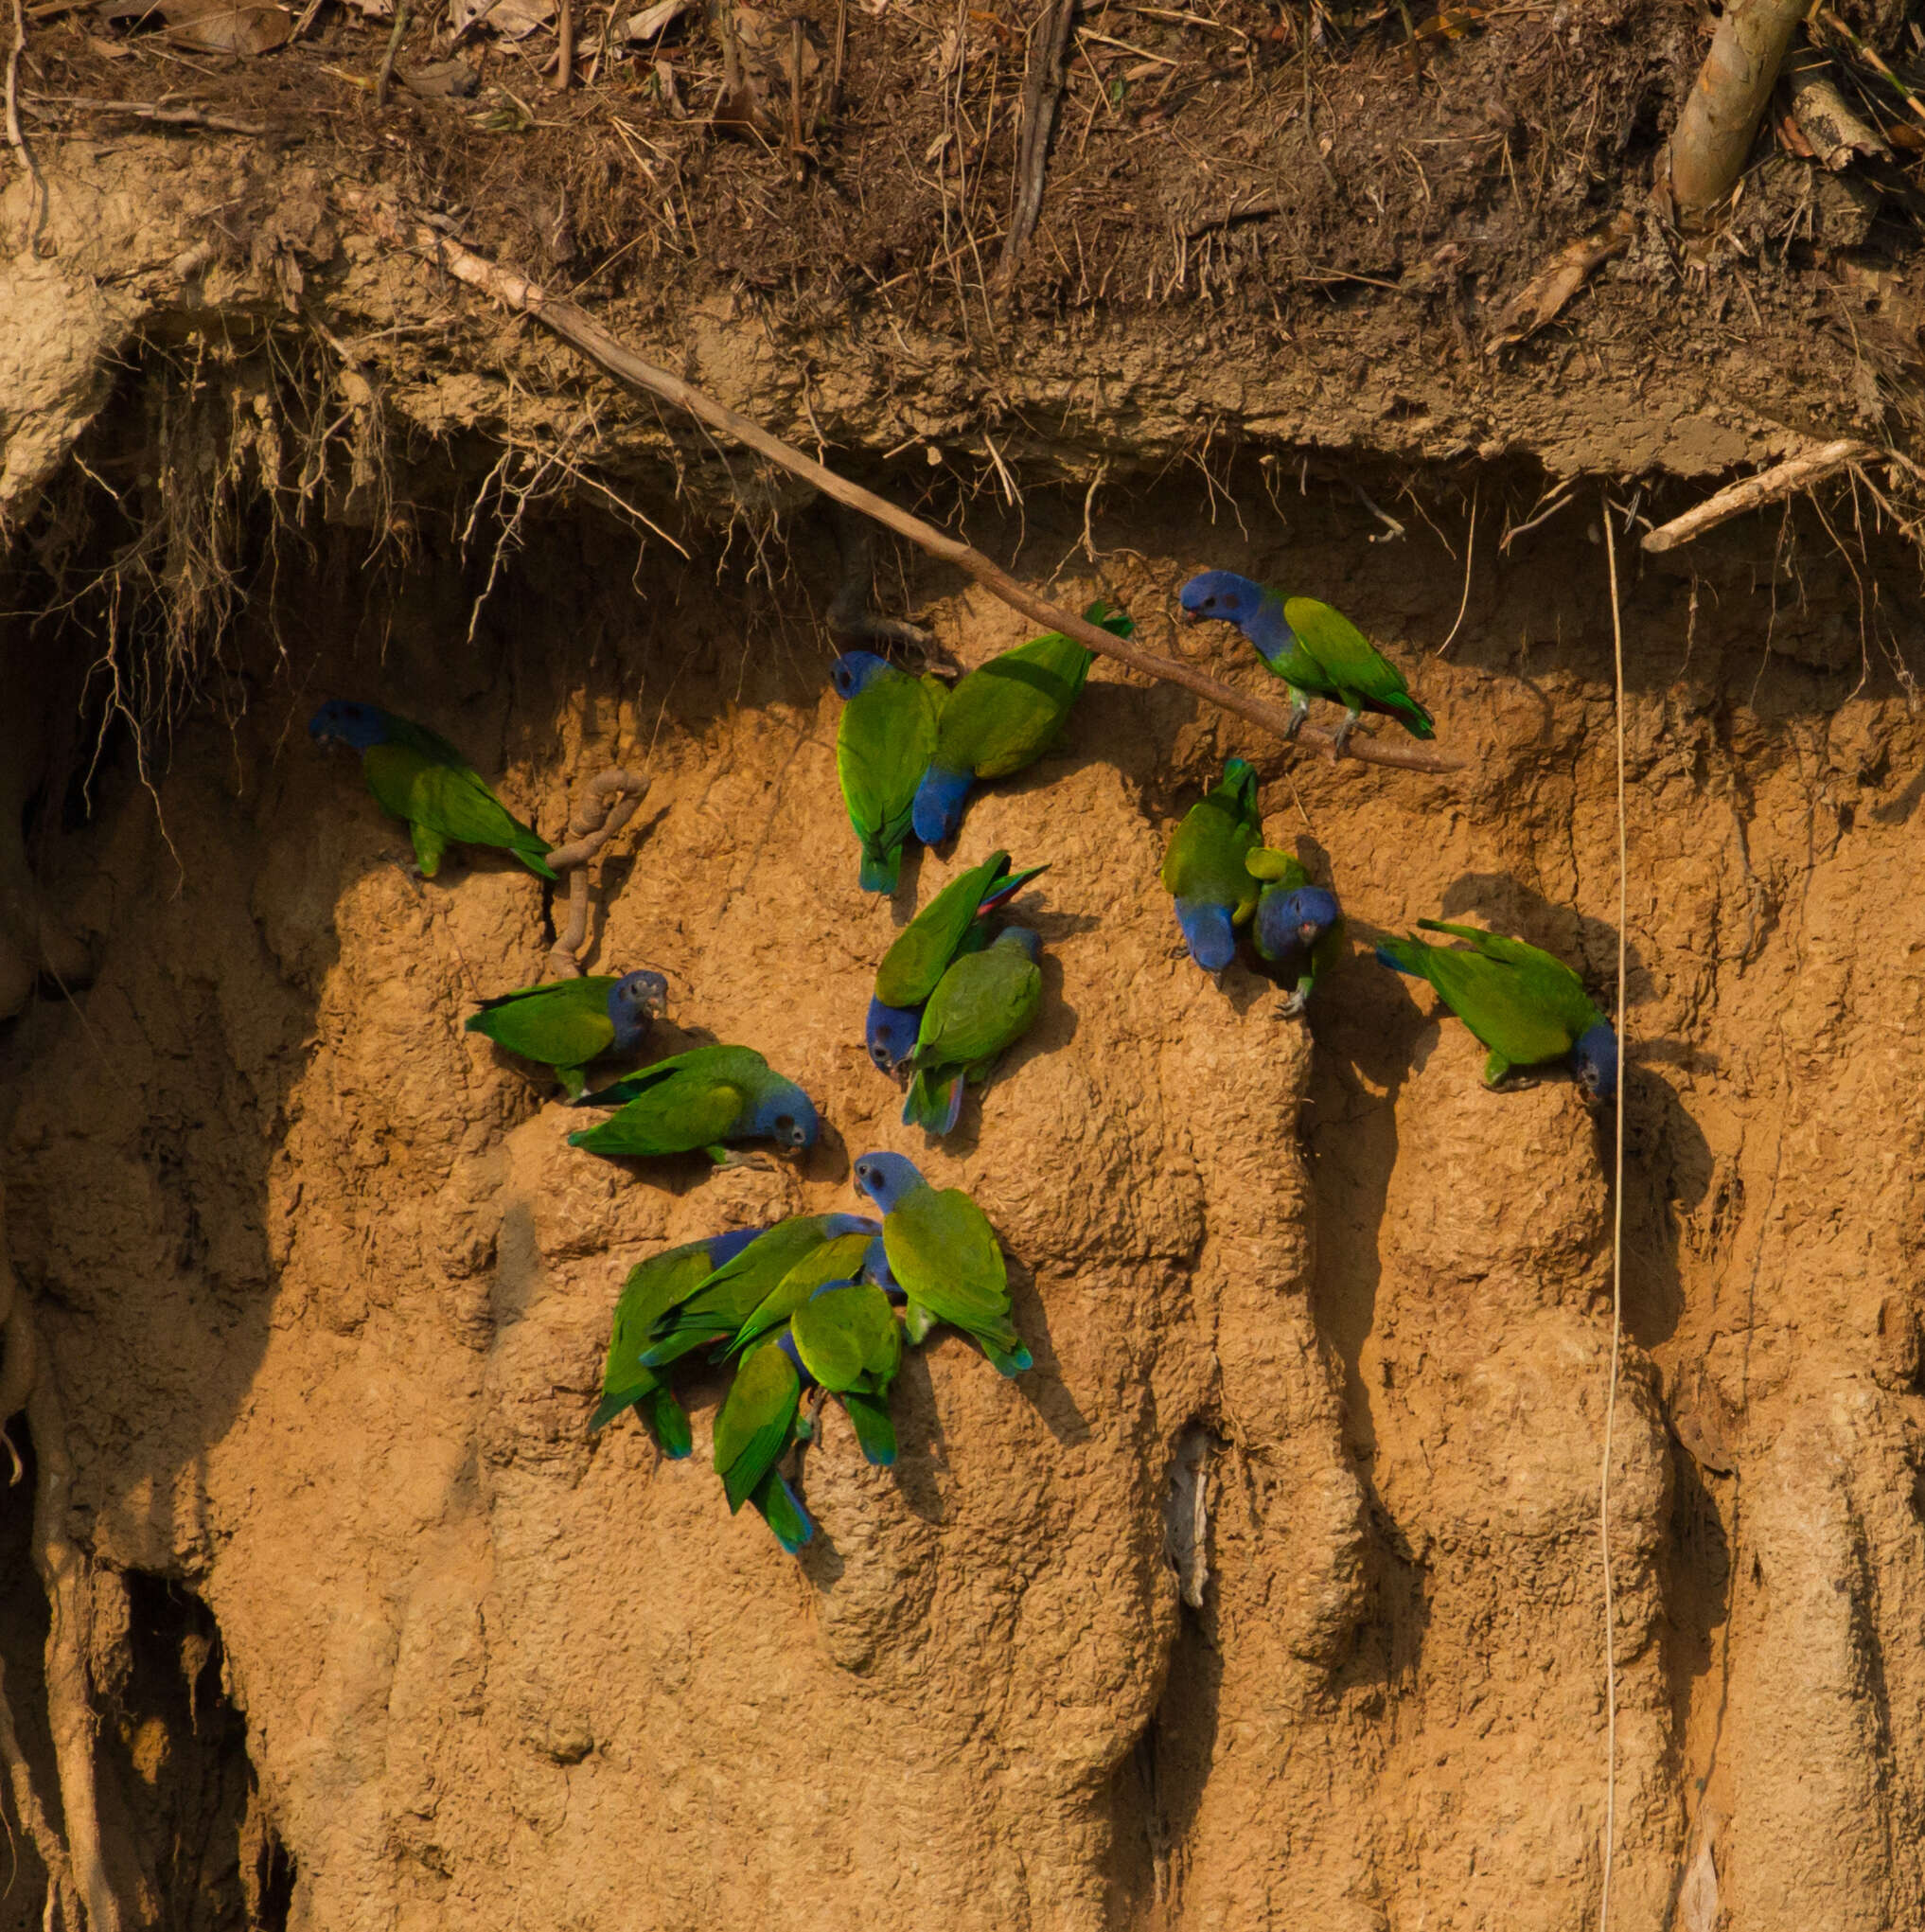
pixel 1031 943
pixel 855 670
pixel 891 1034
pixel 1220 594
pixel 360 725
pixel 1595 1056
pixel 786 1115
pixel 634 1000
pixel 1296 918
pixel 887 1177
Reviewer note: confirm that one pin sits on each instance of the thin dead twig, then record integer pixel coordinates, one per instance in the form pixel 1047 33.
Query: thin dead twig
pixel 158 111
pixel 1469 553
pixel 37 203
pixel 385 76
pixel 1042 93
pixel 582 333
pixel 1753 492
pixel 607 803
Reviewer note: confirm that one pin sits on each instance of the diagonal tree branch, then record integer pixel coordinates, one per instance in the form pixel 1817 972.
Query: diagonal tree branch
pixel 576 327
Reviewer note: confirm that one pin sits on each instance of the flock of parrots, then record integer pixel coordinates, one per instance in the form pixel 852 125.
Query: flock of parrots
pixel 808 1305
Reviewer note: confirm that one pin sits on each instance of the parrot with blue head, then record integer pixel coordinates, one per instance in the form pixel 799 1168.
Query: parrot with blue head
pixel 982 1007
pixel 417 776
pixel 1525 1005
pixel 1318 652
pixel 883 746
pixel 700 1099
pixel 1294 918
pixel 1002 717
pixel 944 1257
pixel 567 1023
pixel 954 922
pixel 1204 869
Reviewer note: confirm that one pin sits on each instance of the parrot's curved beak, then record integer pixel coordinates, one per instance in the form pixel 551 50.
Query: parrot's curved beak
pixel 1194 617
pixel 1308 933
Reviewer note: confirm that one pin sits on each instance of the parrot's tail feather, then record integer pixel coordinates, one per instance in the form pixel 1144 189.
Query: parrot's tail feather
pixel 1404 956
pixel 939 804
pixel 667 1422
pixel 1410 714
pixel 533 853
pixel 934 1102
pixel 874 1432
pixel 880 871
pixel 1012 1362
pixel 609 1407
pixel 1007 888
pixel 783 1511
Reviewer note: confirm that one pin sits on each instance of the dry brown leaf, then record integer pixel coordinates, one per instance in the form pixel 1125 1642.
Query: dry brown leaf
pixel 1453 24
pixel 211 26
pixel 654 20
pixel 1541 298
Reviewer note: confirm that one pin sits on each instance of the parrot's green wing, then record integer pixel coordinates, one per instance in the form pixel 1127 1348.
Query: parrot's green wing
pixel 883 746
pixel 441 794
pixel 944 1256
pixel 1361 676
pixel 652 1287
pixel 677 1114
pixel 1498 1002
pixel 925 947
pixel 835 1260
pixel 741 1067
pixel 564 1023
pixel 849 1339
pixel 755 1422
pixel 781 1510
pixel 874 1430
pixel 720 1300
pixel 1004 713
pixel 1518 952
pixel 983 1004
pixel 1206 852
pixel 1276 868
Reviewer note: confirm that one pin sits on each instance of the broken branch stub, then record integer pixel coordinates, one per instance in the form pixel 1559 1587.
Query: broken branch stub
pixel 607 805
pixel 1727 101
pixel 1752 493
pixel 576 327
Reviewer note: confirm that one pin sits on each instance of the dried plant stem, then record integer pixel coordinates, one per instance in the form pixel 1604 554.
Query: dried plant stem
pixel 1042 92
pixel 384 77
pixel 564 53
pixel 581 333
pixel 1753 492
pixel 607 805
pixel 1617 1271
pixel 37 204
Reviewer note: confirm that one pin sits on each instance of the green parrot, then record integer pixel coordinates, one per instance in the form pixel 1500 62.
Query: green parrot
pixel 654 1287
pixel 944 1258
pixel 1317 652
pixel 1294 916
pixel 1522 1003
pixel 726 1302
pixel 700 1099
pixel 417 776
pixel 953 923
pixel 843 1339
pixel 569 1022
pixel 883 746
pixel 1002 717
pixel 1204 866
pixel 982 1007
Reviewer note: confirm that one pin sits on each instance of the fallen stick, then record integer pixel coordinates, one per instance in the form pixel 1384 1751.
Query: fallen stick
pixel 158 111
pixel 1042 93
pixel 581 333
pixel 1753 492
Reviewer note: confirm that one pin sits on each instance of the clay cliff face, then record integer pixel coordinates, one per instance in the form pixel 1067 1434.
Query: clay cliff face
pixel 1321 1327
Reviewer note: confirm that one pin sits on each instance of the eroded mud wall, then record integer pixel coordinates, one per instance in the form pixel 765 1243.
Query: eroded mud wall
pixel 326 1291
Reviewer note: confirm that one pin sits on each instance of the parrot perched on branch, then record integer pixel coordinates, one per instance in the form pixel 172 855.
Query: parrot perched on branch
pixel 417 776
pixel 1002 717
pixel 569 1022
pixel 1523 1004
pixel 944 1256
pixel 953 923
pixel 883 746
pixel 982 1007
pixel 1317 652
pixel 700 1099
pixel 1203 867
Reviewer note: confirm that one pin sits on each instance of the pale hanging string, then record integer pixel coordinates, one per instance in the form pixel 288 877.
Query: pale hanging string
pixel 1617 1264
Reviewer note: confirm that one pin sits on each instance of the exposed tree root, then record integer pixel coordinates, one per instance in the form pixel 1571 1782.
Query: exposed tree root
pixel 77 1870
pixel 607 805
pixel 1753 492
pixel 1727 101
